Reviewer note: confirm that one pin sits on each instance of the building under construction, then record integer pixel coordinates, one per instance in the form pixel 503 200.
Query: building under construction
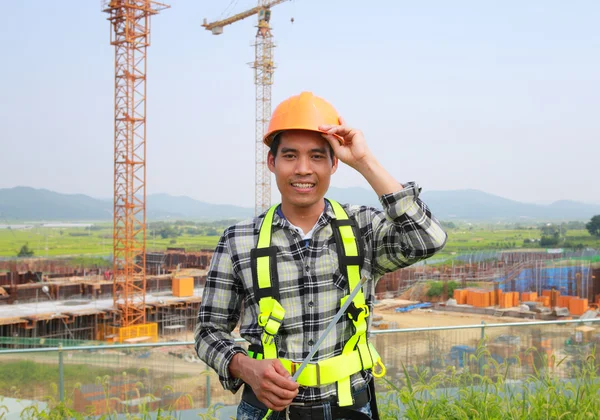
pixel 77 304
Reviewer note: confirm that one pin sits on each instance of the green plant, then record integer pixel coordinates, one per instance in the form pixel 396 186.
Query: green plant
pixel 436 288
pixel 25 252
pixel 485 393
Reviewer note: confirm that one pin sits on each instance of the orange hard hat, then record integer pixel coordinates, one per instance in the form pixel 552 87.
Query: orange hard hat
pixel 301 112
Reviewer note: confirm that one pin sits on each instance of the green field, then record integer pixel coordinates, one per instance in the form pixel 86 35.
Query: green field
pixel 97 240
pixel 481 238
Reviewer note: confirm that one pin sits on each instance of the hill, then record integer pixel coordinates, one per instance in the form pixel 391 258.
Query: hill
pixel 25 203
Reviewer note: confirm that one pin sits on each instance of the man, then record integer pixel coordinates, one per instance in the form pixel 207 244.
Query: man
pixel 286 273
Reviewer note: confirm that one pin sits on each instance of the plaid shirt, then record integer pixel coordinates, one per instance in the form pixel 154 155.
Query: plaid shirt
pixel 310 282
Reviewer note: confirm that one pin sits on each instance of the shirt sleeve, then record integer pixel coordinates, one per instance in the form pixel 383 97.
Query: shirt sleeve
pixel 406 232
pixel 218 315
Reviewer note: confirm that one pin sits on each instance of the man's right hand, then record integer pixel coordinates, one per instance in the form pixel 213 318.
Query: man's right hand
pixel 270 381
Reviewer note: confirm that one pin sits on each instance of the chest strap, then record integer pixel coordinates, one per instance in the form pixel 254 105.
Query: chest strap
pixel 357 351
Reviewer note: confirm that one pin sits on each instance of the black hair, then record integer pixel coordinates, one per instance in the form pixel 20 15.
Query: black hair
pixel 277 140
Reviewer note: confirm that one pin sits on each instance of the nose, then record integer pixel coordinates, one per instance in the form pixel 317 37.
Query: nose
pixel 303 165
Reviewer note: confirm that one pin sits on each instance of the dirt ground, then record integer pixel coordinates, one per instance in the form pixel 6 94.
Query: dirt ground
pixel 422 318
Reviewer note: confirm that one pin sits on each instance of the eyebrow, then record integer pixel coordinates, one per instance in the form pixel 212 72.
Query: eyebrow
pixel 315 150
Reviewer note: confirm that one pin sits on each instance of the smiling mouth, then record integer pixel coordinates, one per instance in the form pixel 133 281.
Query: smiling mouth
pixel 303 185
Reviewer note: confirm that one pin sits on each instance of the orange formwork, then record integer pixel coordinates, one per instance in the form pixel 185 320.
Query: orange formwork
pixel 563 301
pixel 578 306
pixel 509 300
pixel 529 297
pixel 461 296
pixel 133 333
pixel 544 300
pixel 183 286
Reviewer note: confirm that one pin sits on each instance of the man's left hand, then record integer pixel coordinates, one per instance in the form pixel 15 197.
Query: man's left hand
pixel 352 150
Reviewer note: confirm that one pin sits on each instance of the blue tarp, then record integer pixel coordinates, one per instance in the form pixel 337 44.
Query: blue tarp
pixel 558 277
pixel 415 306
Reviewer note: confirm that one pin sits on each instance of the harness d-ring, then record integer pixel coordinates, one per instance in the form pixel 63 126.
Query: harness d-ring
pixel 380 364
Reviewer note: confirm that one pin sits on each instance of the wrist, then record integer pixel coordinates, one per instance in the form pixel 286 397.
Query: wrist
pixel 367 165
pixel 236 366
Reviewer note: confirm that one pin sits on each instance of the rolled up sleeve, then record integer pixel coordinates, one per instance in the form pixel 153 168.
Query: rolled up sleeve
pixel 218 315
pixel 407 232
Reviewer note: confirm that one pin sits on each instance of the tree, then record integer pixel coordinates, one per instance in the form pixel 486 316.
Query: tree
pixel 550 240
pixel 25 251
pixel 593 226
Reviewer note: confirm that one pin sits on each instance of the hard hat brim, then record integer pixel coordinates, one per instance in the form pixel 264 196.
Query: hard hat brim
pixel 268 139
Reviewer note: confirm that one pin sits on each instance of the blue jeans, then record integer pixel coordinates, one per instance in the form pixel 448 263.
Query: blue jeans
pixel 246 411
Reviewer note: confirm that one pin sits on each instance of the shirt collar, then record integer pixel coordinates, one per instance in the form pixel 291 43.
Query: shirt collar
pixel 324 219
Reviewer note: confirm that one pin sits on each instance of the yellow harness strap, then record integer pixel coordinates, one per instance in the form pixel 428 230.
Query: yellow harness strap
pixel 271 312
pixel 333 369
pixel 358 354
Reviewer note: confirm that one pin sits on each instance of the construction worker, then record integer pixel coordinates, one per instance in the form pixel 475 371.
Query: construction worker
pixel 285 274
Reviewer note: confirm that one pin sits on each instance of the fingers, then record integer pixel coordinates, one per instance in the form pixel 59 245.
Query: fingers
pixel 278 389
pixel 275 403
pixel 340 130
pixel 283 380
pixel 335 142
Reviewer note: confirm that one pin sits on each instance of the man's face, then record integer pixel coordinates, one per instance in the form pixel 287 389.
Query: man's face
pixel 302 168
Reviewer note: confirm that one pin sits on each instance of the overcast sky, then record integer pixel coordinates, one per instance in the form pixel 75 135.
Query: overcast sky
pixel 501 96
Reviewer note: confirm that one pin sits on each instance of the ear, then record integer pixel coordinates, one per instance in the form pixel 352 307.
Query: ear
pixel 335 165
pixel 271 162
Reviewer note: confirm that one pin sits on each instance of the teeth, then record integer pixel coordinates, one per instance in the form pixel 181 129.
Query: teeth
pixel 303 185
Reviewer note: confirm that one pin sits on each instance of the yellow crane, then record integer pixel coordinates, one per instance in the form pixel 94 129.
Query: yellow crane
pixel 263 79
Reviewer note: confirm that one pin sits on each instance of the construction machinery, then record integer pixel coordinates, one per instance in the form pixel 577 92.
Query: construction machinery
pixel 263 79
pixel 130 24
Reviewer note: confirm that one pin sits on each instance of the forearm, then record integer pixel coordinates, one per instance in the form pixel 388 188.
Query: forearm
pixel 407 233
pixel 377 176
pixel 217 349
pixel 237 364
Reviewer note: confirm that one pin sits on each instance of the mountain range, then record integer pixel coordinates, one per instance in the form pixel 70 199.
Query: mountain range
pixel 30 204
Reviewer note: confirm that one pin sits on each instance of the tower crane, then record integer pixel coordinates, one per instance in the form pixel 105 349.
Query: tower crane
pixel 263 79
pixel 130 24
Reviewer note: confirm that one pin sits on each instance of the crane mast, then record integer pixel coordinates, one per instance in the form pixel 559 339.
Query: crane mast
pixel 263 80
pixel 130 24
pixel 264 68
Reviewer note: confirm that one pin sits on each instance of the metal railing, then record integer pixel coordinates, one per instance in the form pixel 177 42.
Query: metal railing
pixel 172 373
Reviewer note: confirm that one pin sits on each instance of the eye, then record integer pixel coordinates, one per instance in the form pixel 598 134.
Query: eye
pixel 318 157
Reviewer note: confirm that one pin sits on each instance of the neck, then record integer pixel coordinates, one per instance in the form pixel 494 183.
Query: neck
pixel 303 217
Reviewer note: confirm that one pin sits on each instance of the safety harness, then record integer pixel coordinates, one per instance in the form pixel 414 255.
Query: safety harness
pixel 358 353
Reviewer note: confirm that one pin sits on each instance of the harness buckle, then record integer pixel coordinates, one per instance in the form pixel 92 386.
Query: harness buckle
pixel 268 339
pixel 264 318
pixel 318 367
pixel 294 367
pixel 354 311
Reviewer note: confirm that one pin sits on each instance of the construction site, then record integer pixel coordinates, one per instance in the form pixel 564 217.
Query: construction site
pixel 140 296
pixel 39 299
pixel 143 296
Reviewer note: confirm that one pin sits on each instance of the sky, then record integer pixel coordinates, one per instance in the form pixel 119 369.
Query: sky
pixel 500 96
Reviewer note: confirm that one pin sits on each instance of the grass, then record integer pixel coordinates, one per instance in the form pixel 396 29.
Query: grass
pixel 54 242
pixel 29 374
pixel 482 391
pixel 486 238
pixel 97 241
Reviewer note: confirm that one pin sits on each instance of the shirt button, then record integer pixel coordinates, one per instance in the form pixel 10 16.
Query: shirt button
pixel 311 342
pixel 311 304
pixel 307 268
